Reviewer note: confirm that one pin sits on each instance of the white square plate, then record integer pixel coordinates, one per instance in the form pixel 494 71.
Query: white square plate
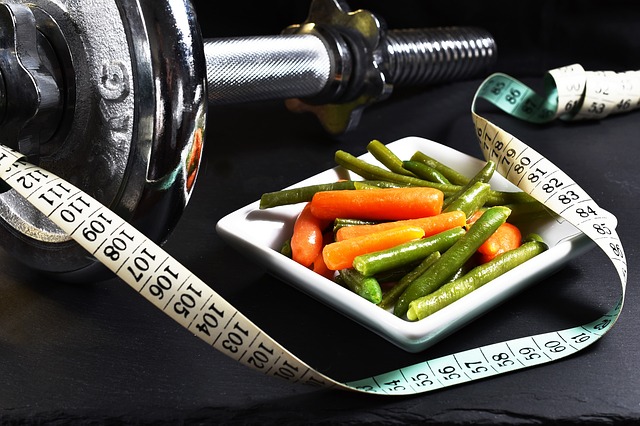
pixel 260 234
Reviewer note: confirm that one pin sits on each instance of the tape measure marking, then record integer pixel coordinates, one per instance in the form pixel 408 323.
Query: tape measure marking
pixel 171 287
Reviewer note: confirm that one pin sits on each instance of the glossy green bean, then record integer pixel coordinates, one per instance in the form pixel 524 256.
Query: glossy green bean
pixel 385 156
pixel 528 211
pixel 453 258
pixel 424 306
pixel 342 222
pixel 365 287
pixel 425 172
pixel 483 176
pixel 471 200
pixel 390 298
pixel 373 263
pixel 451 174
pixel 502 198
pixel 369 184
pixel 372 172
pixel 301 194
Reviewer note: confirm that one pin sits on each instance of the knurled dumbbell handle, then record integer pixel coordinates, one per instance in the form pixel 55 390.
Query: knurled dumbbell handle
pixel 248 69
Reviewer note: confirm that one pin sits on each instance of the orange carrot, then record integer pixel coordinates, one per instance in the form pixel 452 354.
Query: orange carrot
pixel 306 241
pixel 319 267
pixel 506 237
pixel 340 255
pixel 475 216
pixel 432 225
pixel 378 204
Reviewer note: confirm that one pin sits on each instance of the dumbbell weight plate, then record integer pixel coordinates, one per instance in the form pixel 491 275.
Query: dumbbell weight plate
pixel 133 124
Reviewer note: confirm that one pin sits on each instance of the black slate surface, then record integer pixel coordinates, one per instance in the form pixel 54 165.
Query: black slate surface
pixel 96 353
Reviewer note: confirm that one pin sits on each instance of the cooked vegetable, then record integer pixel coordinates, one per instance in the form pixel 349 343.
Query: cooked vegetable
pixel 501 198
pixel 372 172
pixel 366 287
pixel 451 174
pixel 527 211
pixel 369 184
pixel 340 255
pixel 507 237
pixel 416 229
pixel 425 172
pixel 342 222
pixel 384 155
pixel 390 298
pixel 483 176
pixel 432 225
pixel 306 241
pixel 477 277
pixel 318 266
pixel 452 259
pixel 285 249
pixel 299 195
pixel 384 260
pixel 379 204
pixel 471 200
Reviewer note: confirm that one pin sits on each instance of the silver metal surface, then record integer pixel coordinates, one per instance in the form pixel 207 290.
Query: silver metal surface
pixel 121 139
pixel 30 111
pixel 434 55
pixel 248 69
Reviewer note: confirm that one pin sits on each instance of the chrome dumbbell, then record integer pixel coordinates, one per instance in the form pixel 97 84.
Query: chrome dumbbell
pixel 112 95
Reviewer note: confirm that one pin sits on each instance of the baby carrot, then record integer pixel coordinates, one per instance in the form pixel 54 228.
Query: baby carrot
pixel 306 241
pixel 378 204
pixel 507 237
pixel 340 255
pixel 318 266
pixel 432 225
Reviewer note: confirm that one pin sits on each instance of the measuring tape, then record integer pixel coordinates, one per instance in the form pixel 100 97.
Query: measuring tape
pixel 171 287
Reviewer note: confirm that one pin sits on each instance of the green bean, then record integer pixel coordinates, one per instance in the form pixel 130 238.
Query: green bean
pixel 471 200
pixel 501 198
pixel 465 268
pixel 373 263
pixel 368 184
pixel 285 249
pixel 365 185
pixel 452 175
pixel 484 175
pixel 301 194
pixel 453 258
pixel 394 275
pixel 384 155
pixel 342 222
pixel 365 287
pixel 390 297
pixel 528 211
pixel 477 277
pixel 423 171
pixel 372 172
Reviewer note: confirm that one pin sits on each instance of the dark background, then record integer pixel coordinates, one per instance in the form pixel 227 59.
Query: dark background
pixel 96 353
pixel 532 36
